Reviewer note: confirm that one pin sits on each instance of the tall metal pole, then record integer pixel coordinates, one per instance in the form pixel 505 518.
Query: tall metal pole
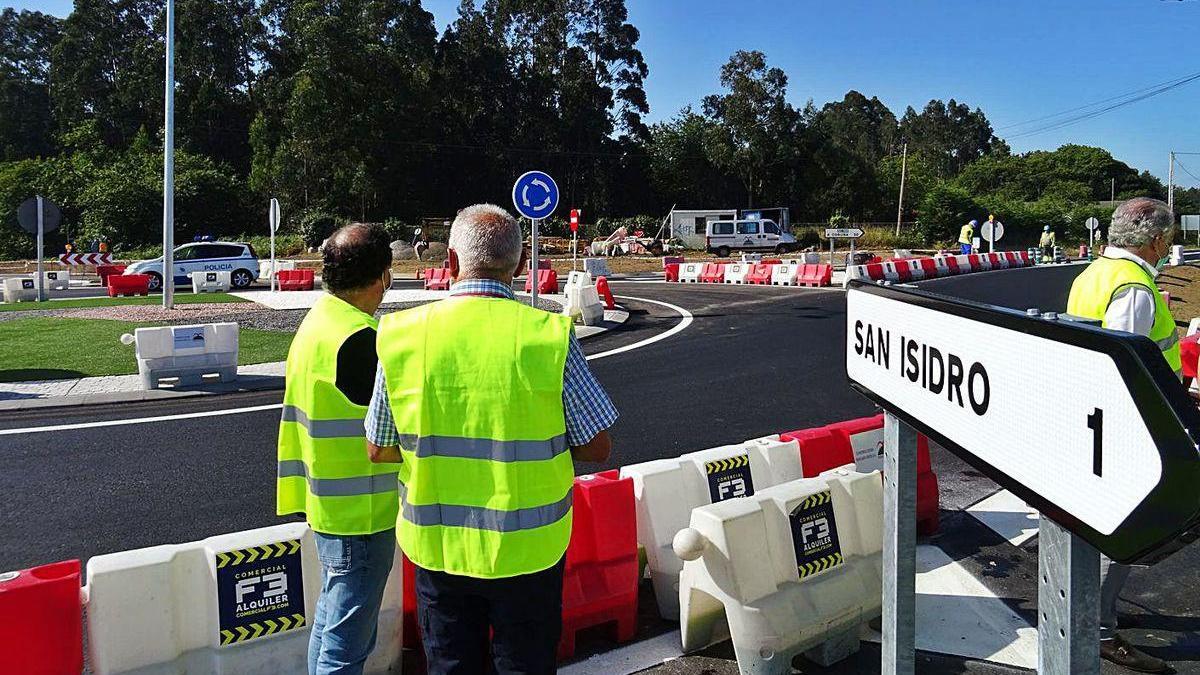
pixel 1171 184
pixel 899 547
pixel 900 202
pixel 1113 198
pixel 1068 601
pixel 533 263
pixel 41 236
pixel 168 268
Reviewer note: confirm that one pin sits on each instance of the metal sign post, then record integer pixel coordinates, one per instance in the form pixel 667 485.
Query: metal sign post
pixel 168 266
pixel 535 195
pixel 993 231
pixel 1068 601
pixel 1091 224
pixel 899 546
pixel 37 216
pixel 832 233
pixel 41 234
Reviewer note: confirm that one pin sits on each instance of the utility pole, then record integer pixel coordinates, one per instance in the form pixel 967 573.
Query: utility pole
pixel 168 266
pixel 900 201
pixel 1171 184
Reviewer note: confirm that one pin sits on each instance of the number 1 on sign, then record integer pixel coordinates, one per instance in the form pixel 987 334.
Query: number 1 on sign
pixel 1096 424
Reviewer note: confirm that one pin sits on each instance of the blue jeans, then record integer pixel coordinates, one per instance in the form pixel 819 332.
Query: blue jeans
pixel 354 570
pixel 965 248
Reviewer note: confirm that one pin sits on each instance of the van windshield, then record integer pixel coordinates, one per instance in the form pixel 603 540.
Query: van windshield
pixel 770 227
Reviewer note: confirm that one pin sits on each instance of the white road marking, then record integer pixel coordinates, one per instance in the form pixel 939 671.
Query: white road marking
pixel 684 322
pixel 141 420
pixel 630 658
pixel 1008 516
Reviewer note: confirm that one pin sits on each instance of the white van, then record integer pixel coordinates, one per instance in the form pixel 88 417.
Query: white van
pixel 723 236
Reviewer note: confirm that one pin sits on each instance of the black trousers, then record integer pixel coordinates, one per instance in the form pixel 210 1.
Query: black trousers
pixel 524 614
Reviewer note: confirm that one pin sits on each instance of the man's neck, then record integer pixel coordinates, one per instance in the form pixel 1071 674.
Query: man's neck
pixel 360 300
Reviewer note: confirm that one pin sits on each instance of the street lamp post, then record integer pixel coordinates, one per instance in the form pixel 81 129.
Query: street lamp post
pixel 168 266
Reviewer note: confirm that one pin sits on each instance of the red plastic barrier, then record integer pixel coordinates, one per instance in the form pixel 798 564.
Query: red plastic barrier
pixel 547 282
pixel 296 280
pixel 997 260
pixel 927 487
pixel 1083 251
pixel 952 264
pixel 874 271
pixel 437 279
pixel 543 264
pixel 1024 257
pixel 412 629
pixel 672 271
pixel 605 292
pixel 105 271
pixel 128 284
pixel 772 261
pixel 820 450
pixel 973 260
pixel 672 260
pixel 600 583
pixel 40 619
pixel 815 275
pixel 760 273
pixel 903 271
pixel 712 273
pixel 929 267
pixel 1013 259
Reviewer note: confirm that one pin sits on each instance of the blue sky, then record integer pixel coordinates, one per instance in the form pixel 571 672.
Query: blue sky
pixel 1016 59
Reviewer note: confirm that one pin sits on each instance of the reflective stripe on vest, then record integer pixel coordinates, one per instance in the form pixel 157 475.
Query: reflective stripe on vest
pixel 1107 279
pixel 323 468
pixel 475 386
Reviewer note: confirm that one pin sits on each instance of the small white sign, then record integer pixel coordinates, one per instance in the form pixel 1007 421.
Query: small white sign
pixel 993 230
pixel 274 214
pixel 843 233
pixel 1190 223
pixel 971 381
pixel 188 337
pixel 1091 223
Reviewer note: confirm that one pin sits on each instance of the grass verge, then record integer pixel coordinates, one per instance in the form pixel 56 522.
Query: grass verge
pixel 83 303
pixel 49 348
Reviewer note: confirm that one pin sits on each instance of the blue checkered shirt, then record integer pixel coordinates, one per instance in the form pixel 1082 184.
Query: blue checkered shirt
pixel 587 407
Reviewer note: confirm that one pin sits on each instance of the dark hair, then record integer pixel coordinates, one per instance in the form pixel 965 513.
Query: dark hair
pixel 355 256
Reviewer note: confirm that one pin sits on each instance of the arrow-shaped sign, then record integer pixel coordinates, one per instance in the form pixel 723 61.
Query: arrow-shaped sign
pixel 1086 425
pixel 843 233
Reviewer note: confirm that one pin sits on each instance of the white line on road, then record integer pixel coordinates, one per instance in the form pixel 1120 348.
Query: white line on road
pixel 684 322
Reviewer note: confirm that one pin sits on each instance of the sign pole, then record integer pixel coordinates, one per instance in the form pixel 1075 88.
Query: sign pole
pixel 574 250
pixel 831 265
pixel 1068 601
pixel 899 547
pixel 41 276
pixel 533 262
pixel 168 266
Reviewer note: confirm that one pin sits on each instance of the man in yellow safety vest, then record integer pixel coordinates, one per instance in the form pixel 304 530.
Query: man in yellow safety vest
pixel 324 468
pixel 965 237
pixel 1118 290
pixel 1047 243
pixel 486 401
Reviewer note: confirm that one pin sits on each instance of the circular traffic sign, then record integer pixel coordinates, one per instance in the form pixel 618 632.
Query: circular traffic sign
pixel 535 195
pixel 993 230
pixel 1091 223
pixel 27 215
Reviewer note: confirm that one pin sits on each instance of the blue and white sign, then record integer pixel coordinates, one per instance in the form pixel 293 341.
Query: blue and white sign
pixel 535 195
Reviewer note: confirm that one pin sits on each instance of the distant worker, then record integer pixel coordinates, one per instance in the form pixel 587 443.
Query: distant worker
pixel 324 470
pixel 966 235
pixel 1047 244
pixel 420 243
pixel 1118 290
pixel 486 401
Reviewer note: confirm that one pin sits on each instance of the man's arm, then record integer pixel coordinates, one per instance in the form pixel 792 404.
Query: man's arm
pixel 383 441
pixel 588 410
pixel 1131 310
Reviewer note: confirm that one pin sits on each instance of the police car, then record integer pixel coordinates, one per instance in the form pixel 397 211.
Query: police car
pixel 238 259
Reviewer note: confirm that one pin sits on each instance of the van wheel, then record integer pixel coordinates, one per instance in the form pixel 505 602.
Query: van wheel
pixel 241 279
pixel 723 252
pixel 154 283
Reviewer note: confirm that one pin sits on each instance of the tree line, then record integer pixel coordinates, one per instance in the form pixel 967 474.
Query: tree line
pixel 363 109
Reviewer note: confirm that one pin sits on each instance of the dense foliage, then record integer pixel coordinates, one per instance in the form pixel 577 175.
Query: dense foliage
pixel 360 109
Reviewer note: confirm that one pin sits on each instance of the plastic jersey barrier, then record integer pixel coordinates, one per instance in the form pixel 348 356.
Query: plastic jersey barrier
pixel 606 293
pixel 56 280
pixel 735 273
pixel 40 620
pixel 760 274
pixel 128 284
pixel 666 491
pixel 902 271
pixel 105 271
pixel 600 582
pixel 19 289
pixel 820 450
pixel 689 273
pixel 596 266
pixel 929 268
pixel 187 353
pixel 296 280
pixel 236 603
pixel 816 275
pixel 786 273
pixel 671 270
pixel 437 279
pixel 795 568
pixel 874 271
pixel 547 281
pixel 672 260
pixel 713 273
pixel 264 268
pixel 210 282
pixel 941 262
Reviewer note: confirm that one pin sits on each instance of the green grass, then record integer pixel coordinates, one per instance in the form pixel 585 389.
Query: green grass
pixel 83 303
pixel 49 348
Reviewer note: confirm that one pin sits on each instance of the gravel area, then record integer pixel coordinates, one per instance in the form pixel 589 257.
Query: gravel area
pixel 247 315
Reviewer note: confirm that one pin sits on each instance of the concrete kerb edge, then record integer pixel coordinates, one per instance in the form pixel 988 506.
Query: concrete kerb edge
pixel 613 318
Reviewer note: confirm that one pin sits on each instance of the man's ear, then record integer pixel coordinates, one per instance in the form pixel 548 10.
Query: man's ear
pixel 452 259
pixel 523 262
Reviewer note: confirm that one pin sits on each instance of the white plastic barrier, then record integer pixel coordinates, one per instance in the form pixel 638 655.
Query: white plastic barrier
pixel 56 280
pixel 795 568
pixel 690 272
pixel 812 258
pixel 579 279
pixel 889 270
pixel 185 352
pixel 210 282
pixel 735 273
pixel 914 268
pixel 583 303
pixel 264 268
pixel 1176 255
pixel 19 289
pixel 964 264
pixel 902 253
pixel 596 267
pixel 1001 262
pixel 235 603
pixel 785 274
pixel 985 262
pixel 666 491
pixel 752 258
pixel 942 268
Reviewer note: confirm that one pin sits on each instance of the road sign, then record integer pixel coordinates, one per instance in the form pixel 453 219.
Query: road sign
pixel 535 195
pixel 1114 461
pixel 27 215
pixel 574 220
pixel 274 216
pixel 1091 223
pixel 993 230
pixel 843 233
pixel 273 223
pixel 85 259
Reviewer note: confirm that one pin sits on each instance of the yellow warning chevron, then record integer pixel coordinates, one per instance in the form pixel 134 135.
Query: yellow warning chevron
pixel 222 560
pixel 299 619
pixel 293 546
pixel 256 629
pixel 815 500
pixel 270 626
pixel 226 637
pixel 820 565
pixel 280 548
pixel 251 554
pixel 719 465
pixel 242 633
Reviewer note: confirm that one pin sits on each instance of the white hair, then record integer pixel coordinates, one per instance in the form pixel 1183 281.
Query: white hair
pixel 487 240
pixel 1138 221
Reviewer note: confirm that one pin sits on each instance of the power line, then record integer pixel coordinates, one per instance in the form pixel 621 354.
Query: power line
pixel 1185 169
pixel 1093 103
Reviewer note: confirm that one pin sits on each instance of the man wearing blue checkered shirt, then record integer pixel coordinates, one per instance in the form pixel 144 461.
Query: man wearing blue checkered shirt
pixel 487 541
